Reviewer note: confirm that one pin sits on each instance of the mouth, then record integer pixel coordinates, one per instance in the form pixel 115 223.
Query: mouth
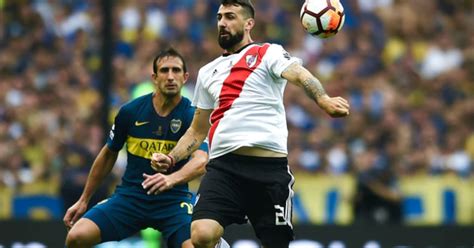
pixel 224 33
pixel 171 86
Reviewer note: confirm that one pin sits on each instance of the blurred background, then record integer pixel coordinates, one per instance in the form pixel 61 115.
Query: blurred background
pixel 403 158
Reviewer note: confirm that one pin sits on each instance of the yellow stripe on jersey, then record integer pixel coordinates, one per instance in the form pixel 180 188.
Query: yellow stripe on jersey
pixel 146 147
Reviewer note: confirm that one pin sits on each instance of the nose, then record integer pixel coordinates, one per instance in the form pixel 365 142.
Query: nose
pixel 221 23
pixel 170 75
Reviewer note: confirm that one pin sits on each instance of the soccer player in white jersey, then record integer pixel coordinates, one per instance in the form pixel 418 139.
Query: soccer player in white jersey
pixel 239 100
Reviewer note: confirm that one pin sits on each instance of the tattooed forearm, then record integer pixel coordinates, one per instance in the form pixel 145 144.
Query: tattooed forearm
pixel 191 147
pixel 313 88
pixel 300 76
pixel 179 154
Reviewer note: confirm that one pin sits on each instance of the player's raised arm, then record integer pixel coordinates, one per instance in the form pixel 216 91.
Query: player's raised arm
pixel 187 144
pixel 334 106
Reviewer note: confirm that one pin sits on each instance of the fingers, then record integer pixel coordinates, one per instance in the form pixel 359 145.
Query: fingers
pixel 159 162
pixel 74 219
pixel 70 219
pixel 343 102
pixel 67 219
pixel 153 183
pixel 341 107
pixel 155 189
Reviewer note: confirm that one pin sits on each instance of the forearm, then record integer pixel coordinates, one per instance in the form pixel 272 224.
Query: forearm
pixel 313 88
pixel 101 167
pixel 192 169
pixel 187 144
pixel 301 77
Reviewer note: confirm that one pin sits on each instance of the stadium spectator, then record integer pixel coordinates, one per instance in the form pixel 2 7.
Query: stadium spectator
pixel 50 64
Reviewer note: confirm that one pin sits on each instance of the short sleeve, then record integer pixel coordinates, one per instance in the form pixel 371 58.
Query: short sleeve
pixel 202 99
pixel 278 59
pixel 118 132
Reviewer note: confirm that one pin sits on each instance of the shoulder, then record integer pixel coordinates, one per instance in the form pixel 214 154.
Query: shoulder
pixel 274 47
pixel 209 67
pixel 186 103
pixel 132 105
pixel 186 109
pixel 185 106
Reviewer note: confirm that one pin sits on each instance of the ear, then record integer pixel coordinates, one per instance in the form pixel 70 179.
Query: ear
pixel 186 76
pixel 249 24
pixel 153 78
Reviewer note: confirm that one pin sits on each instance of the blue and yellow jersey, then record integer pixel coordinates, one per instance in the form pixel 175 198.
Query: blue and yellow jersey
pixel 143 131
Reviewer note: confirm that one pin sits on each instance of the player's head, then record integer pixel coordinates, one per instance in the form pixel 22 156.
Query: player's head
pixel 169 72
pixel 235 19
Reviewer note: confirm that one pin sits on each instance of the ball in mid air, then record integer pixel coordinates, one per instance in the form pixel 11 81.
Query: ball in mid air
pixel 322 18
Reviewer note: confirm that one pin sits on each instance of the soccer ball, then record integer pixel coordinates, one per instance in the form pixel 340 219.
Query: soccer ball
pixel 322 18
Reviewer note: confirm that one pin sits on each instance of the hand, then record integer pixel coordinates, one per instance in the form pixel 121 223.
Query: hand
pixel 74 213
pixel 160 162
pixel 334 106
pixel 154 184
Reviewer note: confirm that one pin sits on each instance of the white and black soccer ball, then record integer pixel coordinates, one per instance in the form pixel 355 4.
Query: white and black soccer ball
pixel 322 18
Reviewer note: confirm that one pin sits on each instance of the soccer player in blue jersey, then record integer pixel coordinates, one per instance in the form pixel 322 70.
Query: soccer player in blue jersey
pixel 151 123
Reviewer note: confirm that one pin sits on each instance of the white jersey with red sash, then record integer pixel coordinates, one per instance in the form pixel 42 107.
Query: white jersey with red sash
pixel 245 89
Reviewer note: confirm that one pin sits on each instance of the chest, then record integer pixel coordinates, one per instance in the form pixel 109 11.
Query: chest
pixel 233 77
pixel 149 126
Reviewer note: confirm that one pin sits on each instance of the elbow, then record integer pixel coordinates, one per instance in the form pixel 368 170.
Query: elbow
pixel 202 166
pixel 201 159
pixel 201 171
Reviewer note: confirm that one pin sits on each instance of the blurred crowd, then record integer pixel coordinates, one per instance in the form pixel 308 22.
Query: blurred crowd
pixel 407 68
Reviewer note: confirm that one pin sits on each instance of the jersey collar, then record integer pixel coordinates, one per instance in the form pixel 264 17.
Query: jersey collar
pixel 226 53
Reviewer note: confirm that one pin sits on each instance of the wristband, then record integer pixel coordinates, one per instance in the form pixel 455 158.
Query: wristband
pixel 172 160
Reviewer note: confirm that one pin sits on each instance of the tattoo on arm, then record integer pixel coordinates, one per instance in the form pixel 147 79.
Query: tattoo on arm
pixel 313 88
pixel 303 78
pixel 189 149
pixel 191 146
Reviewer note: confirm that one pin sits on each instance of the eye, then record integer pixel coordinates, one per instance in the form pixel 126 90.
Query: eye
pixel 164 69
pixel 176 70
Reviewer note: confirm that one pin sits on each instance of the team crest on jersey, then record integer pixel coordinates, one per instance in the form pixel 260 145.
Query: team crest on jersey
pixel 175 125
pixel 251 60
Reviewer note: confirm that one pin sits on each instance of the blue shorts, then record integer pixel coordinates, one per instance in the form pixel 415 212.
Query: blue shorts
pixel 121 216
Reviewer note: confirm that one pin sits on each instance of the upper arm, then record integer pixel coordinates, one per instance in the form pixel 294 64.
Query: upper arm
pixel 118 131
pixel 277 60
pixel 296 74
pixel 107 156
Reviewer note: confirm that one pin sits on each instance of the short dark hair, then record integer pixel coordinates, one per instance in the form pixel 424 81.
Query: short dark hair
pixel 168 52
pixel 246 4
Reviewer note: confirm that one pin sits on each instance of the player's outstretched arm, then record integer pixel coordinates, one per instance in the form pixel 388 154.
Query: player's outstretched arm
pixel 101 167
pixel 187 144
pixel 334 106
pixel 194 168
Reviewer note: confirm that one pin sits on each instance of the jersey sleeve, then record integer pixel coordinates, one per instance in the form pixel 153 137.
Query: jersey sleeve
pixel 118 132
pixel 202 99
pixel 278 59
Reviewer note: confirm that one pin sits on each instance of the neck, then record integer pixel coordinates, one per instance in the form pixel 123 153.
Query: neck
pixel 164 104
pixel 244 42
